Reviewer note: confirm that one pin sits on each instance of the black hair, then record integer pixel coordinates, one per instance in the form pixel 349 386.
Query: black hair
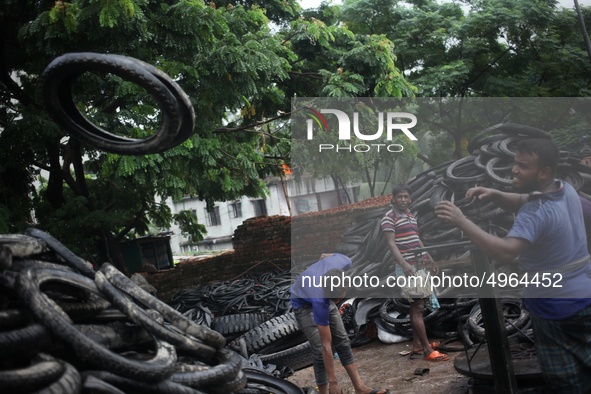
pixel 403 187
pixel 546 150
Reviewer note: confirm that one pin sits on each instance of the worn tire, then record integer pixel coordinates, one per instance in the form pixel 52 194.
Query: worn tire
pixel 56 87
pixel 237 324
pixel 272 336
pixel 296 357
pixel 44 309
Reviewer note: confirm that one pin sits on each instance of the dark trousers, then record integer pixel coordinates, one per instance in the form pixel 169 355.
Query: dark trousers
pixel 340 340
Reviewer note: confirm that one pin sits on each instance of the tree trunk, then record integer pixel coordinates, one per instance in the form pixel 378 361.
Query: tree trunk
pixel 55 184
pixel 335 180
pixel 371 184
pixel 584 29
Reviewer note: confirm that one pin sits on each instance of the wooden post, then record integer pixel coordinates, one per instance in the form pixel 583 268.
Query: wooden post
pixel 494 322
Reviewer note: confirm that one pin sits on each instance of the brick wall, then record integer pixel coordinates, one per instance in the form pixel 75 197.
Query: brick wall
pixel 263 244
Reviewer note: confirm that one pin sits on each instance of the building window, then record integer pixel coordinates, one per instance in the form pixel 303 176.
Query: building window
pixel 213 217
pixel 236 210
pixel 260 207
pixel 298 186
pixel 310 185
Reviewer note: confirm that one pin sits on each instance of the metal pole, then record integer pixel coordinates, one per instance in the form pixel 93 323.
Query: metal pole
pixel 496 335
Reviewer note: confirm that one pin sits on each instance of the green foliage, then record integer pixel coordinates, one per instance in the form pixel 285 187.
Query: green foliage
pixel 189 226
pixel 240 72
pixel 113 11
pixel 487 48
pixel 65 13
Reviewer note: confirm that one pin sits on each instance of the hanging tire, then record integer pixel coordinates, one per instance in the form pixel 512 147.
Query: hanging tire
pixel 177 114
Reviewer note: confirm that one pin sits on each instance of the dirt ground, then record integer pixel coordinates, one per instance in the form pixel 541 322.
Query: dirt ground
pixel 381 366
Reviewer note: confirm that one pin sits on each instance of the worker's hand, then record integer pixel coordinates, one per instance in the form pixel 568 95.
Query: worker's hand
pixel 448 212
pixel 431 264
pixel 407 269
pixel 481 193
pixel 334 388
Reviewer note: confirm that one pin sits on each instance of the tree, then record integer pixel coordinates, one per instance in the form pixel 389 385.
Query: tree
pixel 488 48
pixel 238 73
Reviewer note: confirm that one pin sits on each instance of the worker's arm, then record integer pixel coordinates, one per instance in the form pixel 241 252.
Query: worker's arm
pixel 391 240
pixel 504 249
pixel 508 201
pixel 327 357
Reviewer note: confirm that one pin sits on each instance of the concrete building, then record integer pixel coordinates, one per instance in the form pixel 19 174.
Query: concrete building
pixel 303 196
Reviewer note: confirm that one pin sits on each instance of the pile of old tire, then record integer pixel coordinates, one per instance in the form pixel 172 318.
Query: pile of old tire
pixel 66 328
pixel 489 164
pixel 254 314
pixel 237 305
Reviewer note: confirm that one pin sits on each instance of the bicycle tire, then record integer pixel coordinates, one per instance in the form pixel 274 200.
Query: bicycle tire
pixel 449 173
pixel 131 386
pixel 71 259
pixel 56 87
pixel 33 377
pixel 145 319
pixel 69 382
pixel 116 336
pixel 126 285
pixel 21 245
pixel 228 367
pixel 271 336
pixel 296 357
pixel 490 171
pixel 94 385
pixel 56 320
pixel 273 384
pixel 26 340
pixel 236 324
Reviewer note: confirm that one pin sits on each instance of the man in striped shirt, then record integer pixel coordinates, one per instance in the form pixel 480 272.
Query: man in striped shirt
pixel 402 234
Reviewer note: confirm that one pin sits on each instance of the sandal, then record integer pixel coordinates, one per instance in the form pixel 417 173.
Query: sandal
pixel 434 346
pixel 436 356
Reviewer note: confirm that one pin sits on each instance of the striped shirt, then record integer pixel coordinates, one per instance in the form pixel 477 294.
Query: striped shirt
pixel 404 225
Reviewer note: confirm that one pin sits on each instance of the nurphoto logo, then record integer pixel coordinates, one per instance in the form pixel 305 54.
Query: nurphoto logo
pixel 394 122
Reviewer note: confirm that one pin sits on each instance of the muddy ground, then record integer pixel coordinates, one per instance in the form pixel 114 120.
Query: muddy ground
pixel 381 366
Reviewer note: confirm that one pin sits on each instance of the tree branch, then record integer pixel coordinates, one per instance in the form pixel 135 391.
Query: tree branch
pixel 133 223
pixel 234 129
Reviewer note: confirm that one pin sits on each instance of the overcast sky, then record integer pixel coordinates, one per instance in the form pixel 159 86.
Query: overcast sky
pixel 316 3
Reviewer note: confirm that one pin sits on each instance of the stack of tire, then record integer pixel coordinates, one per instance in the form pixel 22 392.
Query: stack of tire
pixel 489 164
pixel 458 321
pixel 254 315
pixel 66 328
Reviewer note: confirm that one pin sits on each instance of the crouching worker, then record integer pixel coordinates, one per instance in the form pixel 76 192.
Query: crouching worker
pixel 318 317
